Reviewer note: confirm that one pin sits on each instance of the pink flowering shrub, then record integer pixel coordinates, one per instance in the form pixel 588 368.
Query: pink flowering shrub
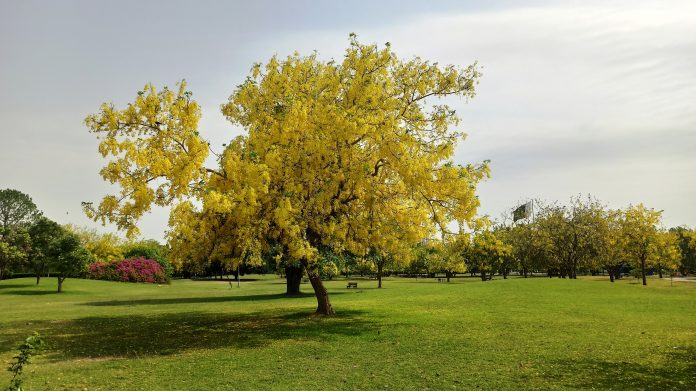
pixel 128 270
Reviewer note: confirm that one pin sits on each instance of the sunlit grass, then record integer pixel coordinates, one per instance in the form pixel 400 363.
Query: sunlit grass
pixel 413 334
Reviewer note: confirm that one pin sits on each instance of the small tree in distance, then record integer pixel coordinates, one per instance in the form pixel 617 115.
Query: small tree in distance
pixel 45 234
pixel 486 253
pixel 69 258
pixel 641 235
pixel 686 239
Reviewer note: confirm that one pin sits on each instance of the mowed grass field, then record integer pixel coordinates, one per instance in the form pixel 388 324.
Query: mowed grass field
pixel 518 333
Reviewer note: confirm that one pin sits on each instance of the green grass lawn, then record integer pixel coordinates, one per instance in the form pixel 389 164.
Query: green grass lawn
pixel 411 335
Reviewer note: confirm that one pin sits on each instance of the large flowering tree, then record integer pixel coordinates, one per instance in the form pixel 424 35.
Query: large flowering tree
pixel 349 155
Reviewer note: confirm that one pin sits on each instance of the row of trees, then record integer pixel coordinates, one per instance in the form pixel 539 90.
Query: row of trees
pixel 586 236
pixel 30 241
pixel 561 240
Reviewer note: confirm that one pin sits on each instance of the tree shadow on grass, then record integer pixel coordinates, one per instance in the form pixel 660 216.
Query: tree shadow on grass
pixel 32 292
pixel 676 372
pixel 192 300
pixel 226 279
pixel 170 333
pixel 12 286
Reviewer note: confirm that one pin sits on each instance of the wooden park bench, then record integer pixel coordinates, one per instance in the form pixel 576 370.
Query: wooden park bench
pixel 352 284
pixel 305 280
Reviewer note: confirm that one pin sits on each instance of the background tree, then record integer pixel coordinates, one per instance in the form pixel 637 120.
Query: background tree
pixel 421 259
pixel 692 247
pixel 687 249
pixel 215 237
pixel 44 234
pixel 640 231
pixel 666 255
pixel 348 264
pixel 389 260
pixel 105 247
pixel 528 249
pixel 486 253
pixel 329 270
pixel 328 146
pixel 508 261
pixel 68 257
pixel 555 236
pixel 294 271
pixel 570 233
pixel 291 270
pixel 17 213
pixel 612 254
pixel 448 257
pixel 14 247
pixel 16 209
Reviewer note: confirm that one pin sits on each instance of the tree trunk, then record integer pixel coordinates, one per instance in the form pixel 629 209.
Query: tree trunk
pixel 448 274
pixel 38 278
pixel 642 270
pixel 323 303
pixel 483 276
pixel 293 278
pixel 379 275
pixel 611 275
pixel 659 270
pixel 60 283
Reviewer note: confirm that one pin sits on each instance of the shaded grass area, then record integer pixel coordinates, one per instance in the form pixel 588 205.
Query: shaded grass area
pixel 677 370
pixel 193 300
pixel 413 334
pixel 172 333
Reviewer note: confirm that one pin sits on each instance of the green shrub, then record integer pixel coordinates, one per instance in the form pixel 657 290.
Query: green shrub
pixel 30 347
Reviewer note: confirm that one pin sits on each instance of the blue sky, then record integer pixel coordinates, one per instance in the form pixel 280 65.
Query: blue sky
pixel 576 97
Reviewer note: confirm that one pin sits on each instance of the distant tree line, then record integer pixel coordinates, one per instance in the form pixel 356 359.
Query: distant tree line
pixel 564 241
pixel 30 242
pixel 34 245
pixel 587 237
